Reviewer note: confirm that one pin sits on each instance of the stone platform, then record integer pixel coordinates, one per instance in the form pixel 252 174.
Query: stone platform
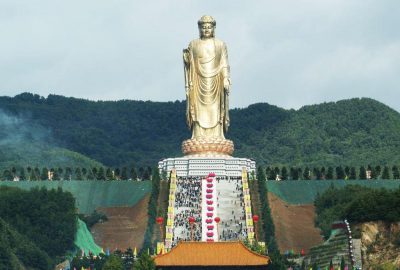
pixel 203 165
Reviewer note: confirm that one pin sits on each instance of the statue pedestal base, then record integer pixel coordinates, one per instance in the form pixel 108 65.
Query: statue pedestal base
pixel 207 147
pixel 203 165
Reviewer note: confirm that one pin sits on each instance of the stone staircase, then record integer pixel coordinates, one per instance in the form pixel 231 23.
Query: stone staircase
pixel 230 208
pixel 334 249
pixel 231 203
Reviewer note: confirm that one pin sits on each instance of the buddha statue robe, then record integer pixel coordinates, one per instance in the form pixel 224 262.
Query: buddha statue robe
pixel 206 67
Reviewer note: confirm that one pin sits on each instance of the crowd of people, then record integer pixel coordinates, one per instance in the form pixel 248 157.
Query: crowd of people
pixel 187 204
pixel 230 205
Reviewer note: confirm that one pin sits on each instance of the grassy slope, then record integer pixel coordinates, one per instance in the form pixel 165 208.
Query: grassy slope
pixel 92 194
pixel 304 192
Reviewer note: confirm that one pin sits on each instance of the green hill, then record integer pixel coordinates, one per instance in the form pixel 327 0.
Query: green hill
pixel 18 252
pixel 26 143
pixel 42 155
pixel 117 133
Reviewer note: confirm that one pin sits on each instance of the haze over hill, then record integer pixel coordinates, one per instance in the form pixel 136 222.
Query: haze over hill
pixel 348 132
pixel 23 142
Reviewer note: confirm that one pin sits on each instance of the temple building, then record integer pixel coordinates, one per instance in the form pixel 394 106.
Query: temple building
pixel 211 255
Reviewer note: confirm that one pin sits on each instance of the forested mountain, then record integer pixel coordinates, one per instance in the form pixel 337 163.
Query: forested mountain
pixel 117 133
pixel 24 142
pixel 37 227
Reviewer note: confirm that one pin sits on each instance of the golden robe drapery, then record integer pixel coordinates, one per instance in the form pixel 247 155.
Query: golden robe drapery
pixel 206 67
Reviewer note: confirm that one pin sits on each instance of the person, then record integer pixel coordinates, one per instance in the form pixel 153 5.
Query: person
pixel 207 83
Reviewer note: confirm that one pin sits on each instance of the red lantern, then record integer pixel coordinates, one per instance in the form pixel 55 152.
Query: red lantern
pixel 210 227
pixel 209 214
pixel 210 240
pixel 208 220
pixel 210 208
pixel 255 218
pixel 191 220
pixel 209 185
pixel 209 180
pixel 209 190
pixel 210 234
pixel 217 219
pixel 209 196
pixel 209 202
pixel 211 174
pixel 159 220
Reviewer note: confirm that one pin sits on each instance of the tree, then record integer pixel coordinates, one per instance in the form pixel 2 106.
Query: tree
pixel 329 174
pixel 56 175
pixel 346 172
pixel 317 173
pixel 101 174
pixel 353 174
pixel 271 175
pixel 124 173
pixel 36 173
pixel 128 259
pixel 7 175
pixel 114 263
pixel 78 174
pixel 133 173
pixel 284 173
pixel 294 173
pixel 323 173
pixel 307 174
pixel 342 263
pixel 141 172
pixel 372 173
pixel 377 172
pixel 363 174
pixel 22 175
pixel 386 174
pixel 45 174
pixel 340 173
pixel 276 172
pixel 117 173
pixel 145 262
pixel 395 172
pixel 29 170
pixel 14 171
pixel 267 171
pixel 68 173
pixel 60 172
pixel 147 173
pixel 109 174
pixel 90 175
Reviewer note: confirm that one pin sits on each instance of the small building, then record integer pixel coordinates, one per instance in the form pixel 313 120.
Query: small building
pixel 211 255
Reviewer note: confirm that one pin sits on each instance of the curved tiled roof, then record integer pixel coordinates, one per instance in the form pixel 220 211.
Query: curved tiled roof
pixel 211 254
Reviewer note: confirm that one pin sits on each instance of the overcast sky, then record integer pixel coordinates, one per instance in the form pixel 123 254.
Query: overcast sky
pixel 287 53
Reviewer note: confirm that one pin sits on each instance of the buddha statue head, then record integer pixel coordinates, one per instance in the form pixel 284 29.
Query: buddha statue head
pixel 207 26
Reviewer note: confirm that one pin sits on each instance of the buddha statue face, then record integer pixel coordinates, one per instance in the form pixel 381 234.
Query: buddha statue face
pixel 206 30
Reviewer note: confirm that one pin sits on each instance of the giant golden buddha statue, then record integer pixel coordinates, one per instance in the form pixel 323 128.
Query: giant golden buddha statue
pixel 207 84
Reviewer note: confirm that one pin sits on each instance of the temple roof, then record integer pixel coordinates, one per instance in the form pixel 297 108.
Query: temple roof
pixel 211 254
